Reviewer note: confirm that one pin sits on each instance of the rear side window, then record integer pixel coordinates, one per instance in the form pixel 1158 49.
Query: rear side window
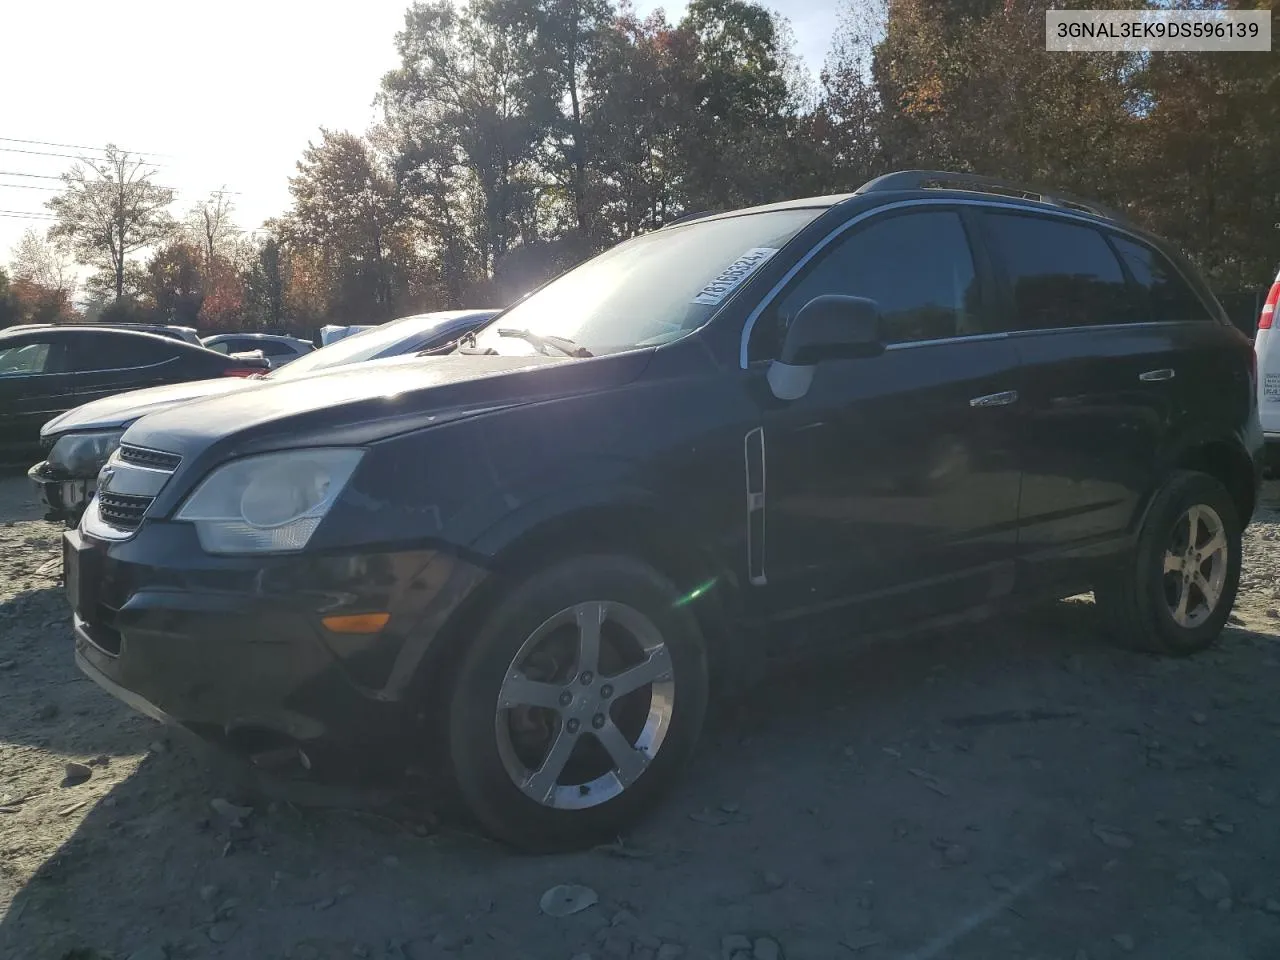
pixel 274 348
pixel 119 351
pixel 917 267
pixel 221 346
pixel 1060 274
pixel 1163 294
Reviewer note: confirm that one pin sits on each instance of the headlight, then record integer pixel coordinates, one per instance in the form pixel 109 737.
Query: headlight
pixel 270 503
pixel 83 454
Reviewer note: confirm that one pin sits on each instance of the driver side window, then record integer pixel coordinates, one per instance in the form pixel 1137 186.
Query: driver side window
pixel 917 267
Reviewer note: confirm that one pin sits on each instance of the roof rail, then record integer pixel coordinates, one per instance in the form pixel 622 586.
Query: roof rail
pixel 947 180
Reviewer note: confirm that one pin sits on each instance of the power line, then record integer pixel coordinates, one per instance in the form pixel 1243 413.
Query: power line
pixel 66 156
pixel 80 146
pixel 37 176
pixel 29 186
pixel 26 214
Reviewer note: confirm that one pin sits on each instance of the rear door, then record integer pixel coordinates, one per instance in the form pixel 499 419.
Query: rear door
pixel 1098 388
pixel 34 386
pixel 107 362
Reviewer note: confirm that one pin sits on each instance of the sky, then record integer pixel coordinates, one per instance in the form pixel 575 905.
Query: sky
pixel 216 96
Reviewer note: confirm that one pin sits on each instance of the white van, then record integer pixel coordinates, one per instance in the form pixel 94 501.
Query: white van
pixel 1266 346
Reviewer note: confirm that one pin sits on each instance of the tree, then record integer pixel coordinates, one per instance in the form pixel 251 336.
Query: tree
pixel 461 108
pixel 9 312
pixel 43 262
pixel 265 285
pixel 210 225
pixel 347 205
pixel 110 209
pixel 175 284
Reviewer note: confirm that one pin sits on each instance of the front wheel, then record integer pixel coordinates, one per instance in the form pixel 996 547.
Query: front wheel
pixel 577 704
pixel 1177 590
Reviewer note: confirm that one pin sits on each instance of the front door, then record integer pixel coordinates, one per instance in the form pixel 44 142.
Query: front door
pixel 891 487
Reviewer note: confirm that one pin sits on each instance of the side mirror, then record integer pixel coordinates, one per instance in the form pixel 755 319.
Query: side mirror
pixel 829 327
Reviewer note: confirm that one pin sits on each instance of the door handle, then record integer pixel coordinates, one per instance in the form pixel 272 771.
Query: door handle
pixel 1165 373
pixel 995 399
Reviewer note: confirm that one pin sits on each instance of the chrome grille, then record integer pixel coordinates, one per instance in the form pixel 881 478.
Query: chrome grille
pixel 155 459
pixel 122 511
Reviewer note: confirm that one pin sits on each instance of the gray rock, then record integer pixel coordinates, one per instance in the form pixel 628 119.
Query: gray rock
pixel 76 774
pixel 305 951
pixel 324 904
pixel 1199 719
pixel 346 890
pixel 157 746
pixel 1213 886
pixel 734 943
pixel 766 949
pixel 391 861
pixel 223 931
pixel 1271 906
pixel 7 664
pixel 228 810
pixel 1112 837
pixel 1225 905
pixel 47 712
pixel 208 892
pixel 155 952
pixel 1124 942
pixel 622 918
pixel 999 881
pixel 670 951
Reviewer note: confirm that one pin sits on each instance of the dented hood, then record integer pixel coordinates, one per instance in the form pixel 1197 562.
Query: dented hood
pixel 370 401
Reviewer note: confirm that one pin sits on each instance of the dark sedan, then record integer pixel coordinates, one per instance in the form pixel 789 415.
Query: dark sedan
pixel 46 371
pixel 80 441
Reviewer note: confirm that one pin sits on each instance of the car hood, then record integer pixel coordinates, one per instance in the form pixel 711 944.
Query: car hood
pixel 367 402
pixel 123 408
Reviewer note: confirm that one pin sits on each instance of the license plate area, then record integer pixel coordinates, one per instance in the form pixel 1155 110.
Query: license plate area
pixel 1271 387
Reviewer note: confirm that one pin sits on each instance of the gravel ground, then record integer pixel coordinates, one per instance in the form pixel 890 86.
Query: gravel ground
pixel 1020 790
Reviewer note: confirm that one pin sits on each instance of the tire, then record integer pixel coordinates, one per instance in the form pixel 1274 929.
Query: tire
pixel 1141 603
pixel 530 648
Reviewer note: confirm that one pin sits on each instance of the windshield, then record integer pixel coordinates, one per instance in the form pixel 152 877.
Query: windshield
pixel 365 345
pixel 647 291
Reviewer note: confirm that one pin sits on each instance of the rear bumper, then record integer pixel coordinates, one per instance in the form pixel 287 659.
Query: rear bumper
pixel 234 650
pixel 64 497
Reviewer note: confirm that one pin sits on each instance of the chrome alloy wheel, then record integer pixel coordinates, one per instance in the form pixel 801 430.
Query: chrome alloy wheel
pixel 1195 566
pixel 585 705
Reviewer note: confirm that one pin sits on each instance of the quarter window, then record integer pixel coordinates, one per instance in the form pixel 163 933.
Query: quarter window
pixel 1060 274
pixel 917 267
pixel 1162 291
pixel 106 350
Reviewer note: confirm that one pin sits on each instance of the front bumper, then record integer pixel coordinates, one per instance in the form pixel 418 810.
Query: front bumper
pixel 65 497
pixel 233 648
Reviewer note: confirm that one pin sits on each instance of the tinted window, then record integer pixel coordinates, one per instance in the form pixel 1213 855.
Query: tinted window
pixel 221 346
pixel 1163 292
pixel 1061 274
pixel 117 351
pixel 274 348
pixel 917 267
pixel 26 358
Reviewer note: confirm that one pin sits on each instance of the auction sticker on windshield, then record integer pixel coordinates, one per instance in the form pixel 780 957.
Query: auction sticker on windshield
pixel 732 276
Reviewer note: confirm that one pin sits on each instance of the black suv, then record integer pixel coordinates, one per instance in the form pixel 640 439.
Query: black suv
pixel 528 563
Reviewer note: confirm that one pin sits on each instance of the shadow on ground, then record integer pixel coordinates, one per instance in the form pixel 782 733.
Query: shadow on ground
pixel 1011 791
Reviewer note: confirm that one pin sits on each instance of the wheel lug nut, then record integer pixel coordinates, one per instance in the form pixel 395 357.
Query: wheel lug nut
pixel 598 721
pixel 572 726
pixel 586 678
pixel 566 698
pixel 606 691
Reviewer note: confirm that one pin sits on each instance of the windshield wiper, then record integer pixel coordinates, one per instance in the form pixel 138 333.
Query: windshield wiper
pixel 563 344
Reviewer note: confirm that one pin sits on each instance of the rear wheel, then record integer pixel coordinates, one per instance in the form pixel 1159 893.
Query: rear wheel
pixel 1175 594
pixel 578 703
